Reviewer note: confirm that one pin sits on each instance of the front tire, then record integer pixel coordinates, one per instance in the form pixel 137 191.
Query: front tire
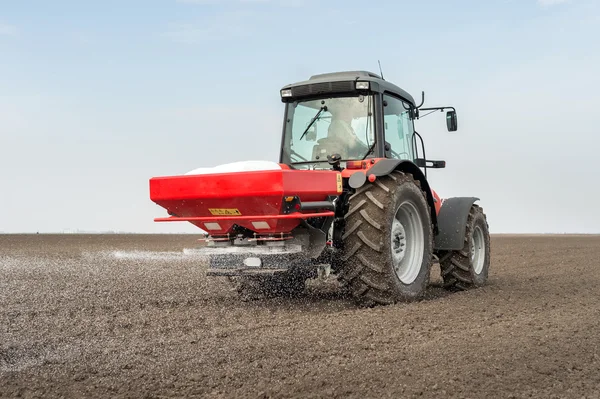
pixel 388 241
pixel 468 268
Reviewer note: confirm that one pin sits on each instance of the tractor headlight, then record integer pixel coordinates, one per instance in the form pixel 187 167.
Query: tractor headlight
pixel 286 93
pixel 362 85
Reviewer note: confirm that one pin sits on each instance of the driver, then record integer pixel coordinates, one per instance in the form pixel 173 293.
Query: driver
pixel 341 131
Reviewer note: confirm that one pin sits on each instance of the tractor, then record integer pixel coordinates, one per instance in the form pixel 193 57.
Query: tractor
pixel 348 197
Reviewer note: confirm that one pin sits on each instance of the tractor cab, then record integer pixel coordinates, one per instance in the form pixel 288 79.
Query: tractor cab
pixel 354 115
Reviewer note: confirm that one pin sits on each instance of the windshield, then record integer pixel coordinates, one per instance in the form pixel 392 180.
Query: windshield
pixel 340 125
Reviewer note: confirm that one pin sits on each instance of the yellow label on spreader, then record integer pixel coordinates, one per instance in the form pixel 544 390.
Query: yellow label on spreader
pixel 225 211
pixel 339 183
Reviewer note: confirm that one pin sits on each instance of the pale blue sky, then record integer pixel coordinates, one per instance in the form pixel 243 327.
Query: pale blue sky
pixel 97 97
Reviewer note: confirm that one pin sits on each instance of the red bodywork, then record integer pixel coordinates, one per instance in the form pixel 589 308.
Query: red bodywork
pixel 248 199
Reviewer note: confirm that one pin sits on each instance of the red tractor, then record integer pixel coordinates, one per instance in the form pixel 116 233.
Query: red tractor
pixel 349 195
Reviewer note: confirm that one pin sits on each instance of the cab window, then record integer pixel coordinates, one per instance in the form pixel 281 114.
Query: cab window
pixel 398 128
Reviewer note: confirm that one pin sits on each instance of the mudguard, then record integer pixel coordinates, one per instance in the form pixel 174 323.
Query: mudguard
pixel 385 167
pixel 452 223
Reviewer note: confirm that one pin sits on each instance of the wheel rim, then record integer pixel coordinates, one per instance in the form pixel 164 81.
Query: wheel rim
pixel 477 250
pixel 408 242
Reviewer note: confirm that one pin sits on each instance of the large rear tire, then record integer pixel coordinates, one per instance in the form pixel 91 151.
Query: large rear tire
pixel 468 268
pixel 388 241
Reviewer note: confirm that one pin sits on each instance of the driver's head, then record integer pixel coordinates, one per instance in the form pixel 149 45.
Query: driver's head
pixel 342 109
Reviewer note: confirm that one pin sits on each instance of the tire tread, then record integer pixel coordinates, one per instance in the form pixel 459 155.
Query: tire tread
pixel 456 265
pixel 363 272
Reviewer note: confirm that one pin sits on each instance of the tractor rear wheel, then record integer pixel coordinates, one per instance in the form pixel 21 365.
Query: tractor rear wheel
pixel 468 268
pixel 388 241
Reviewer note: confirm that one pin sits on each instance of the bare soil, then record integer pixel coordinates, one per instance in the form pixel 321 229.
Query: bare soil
pixel 134 316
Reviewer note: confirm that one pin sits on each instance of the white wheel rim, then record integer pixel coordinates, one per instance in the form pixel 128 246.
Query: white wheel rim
pixel 477 250
pixel 407 242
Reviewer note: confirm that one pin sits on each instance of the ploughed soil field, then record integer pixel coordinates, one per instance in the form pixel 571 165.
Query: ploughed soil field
pixel 135 316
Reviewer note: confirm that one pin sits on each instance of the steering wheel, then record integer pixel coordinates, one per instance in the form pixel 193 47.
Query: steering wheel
pixel 399 156
pixel 331 145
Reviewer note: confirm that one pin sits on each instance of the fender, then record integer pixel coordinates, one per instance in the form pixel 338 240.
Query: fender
pixel 452 223
pixel 386 166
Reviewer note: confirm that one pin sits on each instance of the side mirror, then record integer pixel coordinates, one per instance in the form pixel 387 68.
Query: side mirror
pixel 451 121
pixel 311 135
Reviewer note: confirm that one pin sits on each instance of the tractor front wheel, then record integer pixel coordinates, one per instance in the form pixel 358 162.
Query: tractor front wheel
pixel 468 268
pixel 388 241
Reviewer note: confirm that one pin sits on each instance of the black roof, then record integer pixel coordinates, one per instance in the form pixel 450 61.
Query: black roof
pixel 377 83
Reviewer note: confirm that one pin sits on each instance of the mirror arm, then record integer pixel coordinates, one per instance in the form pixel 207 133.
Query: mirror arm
pixel 438 108
pixel 433 109
pixel 429 113
pixel 422 100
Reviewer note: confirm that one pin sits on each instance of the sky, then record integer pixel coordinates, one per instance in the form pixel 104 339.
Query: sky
pixel 98 97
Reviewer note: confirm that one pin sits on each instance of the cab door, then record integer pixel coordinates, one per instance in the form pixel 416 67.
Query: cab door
pixel 398 128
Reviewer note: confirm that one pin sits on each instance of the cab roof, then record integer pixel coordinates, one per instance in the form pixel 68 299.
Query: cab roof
pixel 344 81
